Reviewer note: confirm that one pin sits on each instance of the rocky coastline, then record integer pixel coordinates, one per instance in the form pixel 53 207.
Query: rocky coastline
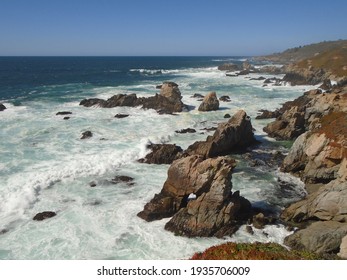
pixel 197 195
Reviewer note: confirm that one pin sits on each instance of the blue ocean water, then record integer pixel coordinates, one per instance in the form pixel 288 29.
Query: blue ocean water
pixel 45 166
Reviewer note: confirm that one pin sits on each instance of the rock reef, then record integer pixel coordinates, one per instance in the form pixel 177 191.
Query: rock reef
pixel 168 101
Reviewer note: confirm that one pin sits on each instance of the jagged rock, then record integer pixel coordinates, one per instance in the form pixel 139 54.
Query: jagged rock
pixel 316 156
pixel 63 113
pixel 229 67
pixel 291 121
pixel 162 154
pixel 87 134
pixel 304 76
pixel 2 107
pixel 266 114
pixel 44 215
pixel 210 103
pixel 225 98
pixel 93 102
pixel 121 116
pixel 215 211
pixel 168 101
pixel 319 237
pixel 233 135
pixel 186 130
pixel 212 214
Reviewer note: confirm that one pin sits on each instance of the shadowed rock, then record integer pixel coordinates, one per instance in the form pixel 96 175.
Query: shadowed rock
pixel 162 154
pixel 44 215
pixel 2 107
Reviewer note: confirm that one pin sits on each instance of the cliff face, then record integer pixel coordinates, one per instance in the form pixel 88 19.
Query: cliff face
pixel 318 123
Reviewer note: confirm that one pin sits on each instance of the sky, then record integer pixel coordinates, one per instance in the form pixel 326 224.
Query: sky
pixel 179 27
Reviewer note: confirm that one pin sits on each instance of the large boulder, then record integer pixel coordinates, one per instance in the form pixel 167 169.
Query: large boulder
pixel 2 107
pixel 319 237
pixel 230 136
pixel 210 103
pixel 198 193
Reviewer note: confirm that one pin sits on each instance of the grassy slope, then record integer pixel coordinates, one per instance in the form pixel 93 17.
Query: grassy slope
pixel 304 52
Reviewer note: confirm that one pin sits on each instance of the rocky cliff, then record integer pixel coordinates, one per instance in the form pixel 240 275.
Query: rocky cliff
pixel 317 122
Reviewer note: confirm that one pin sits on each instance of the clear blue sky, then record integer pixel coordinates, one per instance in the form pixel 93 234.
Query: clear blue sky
pixel 176 27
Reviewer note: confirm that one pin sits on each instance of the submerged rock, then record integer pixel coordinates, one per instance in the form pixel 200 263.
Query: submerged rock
pixel 87 134
pixel 44 215
pixel 186 130
pixel 63 113
pixel 121 116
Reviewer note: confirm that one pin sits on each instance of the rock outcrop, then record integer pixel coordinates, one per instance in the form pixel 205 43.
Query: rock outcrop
pixel 319 237
pixel 197 193
pixel 210 103
pixel 167 101
pixel 328 203
pixel 162 154
pixel 319 157
pixel 2 107
pixel 86 134
pixel 44 215
pixel 235 134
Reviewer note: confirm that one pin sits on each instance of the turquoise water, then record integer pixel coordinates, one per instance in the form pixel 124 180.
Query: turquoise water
pixel 45 166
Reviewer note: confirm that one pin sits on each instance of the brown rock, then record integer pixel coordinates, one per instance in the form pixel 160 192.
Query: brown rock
pixel 319 237
pixel 233 135
pixel 210 103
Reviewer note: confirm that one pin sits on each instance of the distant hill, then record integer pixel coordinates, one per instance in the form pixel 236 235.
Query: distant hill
pixel 304 52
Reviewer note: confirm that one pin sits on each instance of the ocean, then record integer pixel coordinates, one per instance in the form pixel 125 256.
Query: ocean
pixel 45 166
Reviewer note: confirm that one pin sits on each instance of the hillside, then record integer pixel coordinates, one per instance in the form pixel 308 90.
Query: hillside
pixel 333 61
pixel 304 52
